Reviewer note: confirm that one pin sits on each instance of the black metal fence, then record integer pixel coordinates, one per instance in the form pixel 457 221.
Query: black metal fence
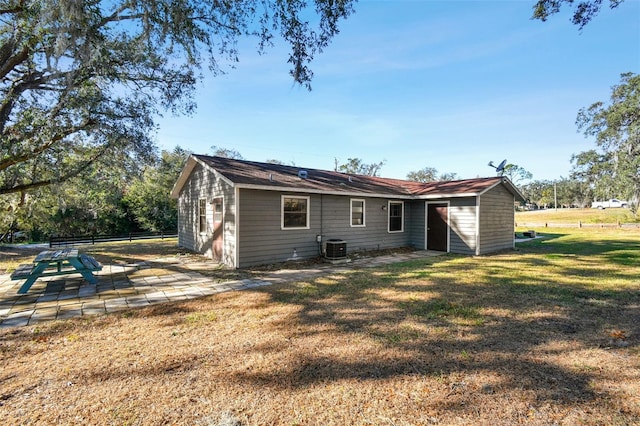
pixel 92 239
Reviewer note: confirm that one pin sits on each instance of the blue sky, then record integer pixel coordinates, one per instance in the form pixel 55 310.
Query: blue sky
pixel 444 84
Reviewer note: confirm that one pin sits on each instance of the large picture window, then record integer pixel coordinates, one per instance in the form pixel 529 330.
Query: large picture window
pixel 202 215
pixel 357 212
pixel 396 216
pixel 295 212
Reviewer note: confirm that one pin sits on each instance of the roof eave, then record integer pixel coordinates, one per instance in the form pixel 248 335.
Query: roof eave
pixel 192 161
pixel 323 192
pixel 447 195
pixel 184 175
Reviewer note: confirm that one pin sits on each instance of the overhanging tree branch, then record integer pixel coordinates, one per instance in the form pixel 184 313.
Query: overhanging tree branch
pixel 69 70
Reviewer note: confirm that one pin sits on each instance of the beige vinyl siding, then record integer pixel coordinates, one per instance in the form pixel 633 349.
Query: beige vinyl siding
pixel 496 220
pixel 203 184
pixel 462 226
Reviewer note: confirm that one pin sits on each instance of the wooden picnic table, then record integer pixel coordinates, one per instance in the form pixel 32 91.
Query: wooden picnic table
pixel 51 263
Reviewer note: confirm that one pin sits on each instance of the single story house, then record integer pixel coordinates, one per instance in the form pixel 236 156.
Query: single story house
pixel 246 213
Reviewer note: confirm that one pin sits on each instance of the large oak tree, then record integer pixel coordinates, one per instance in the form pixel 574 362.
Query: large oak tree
pixel 81 82
pixel 583 11
pixel 613 168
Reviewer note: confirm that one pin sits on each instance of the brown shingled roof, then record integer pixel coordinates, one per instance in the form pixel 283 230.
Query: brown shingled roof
pixel 273 176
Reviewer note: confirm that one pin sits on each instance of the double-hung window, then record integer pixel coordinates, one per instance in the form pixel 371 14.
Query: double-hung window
pixel 202 215
pixel 396 216
pixel 357 212
pixel 295 212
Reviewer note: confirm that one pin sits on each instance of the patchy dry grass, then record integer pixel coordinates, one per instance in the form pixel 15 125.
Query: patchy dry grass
pixel 111 252
pixel 163 256
pixel 549 334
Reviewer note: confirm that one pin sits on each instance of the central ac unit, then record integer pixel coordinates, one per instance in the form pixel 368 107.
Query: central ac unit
pixel 336 249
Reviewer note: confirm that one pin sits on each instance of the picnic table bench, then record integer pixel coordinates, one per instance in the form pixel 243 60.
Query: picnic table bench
pixel 51 263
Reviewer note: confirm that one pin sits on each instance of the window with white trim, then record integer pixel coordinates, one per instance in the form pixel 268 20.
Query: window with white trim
pixel 217 210
pixel 295 212
pixel 202 215
pixel 396 216
pixel 357 212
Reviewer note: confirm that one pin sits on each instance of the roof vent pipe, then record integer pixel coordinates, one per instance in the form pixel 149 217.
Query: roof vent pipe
pixel 302 174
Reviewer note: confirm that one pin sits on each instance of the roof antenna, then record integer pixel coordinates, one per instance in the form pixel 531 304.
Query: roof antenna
pixel 499 168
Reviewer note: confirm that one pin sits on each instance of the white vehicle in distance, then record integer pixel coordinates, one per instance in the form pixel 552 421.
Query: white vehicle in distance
pixel 609 204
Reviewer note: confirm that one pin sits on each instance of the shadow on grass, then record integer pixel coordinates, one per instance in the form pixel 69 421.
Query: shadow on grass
pixel 620 251
pixel 499 314
pixel 509 315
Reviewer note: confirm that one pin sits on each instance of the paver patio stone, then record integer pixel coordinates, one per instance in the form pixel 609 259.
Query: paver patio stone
pixel 193 290
pixel 93 308
pixel 50 304
pixel 47 297
pixel 137 301
pixel 70 305
pixel 67 302
pixel 235 285
pixel 19 307
pixel 181 296
pixel 68 294
pixel 41 315
pixel 23 299
pixel 116 291
pixel 115 305
pixel 121 284
pixel 70 311
pixel 127 292
pixel 16 321
pixel 87 291
pixel 258 284
pixel 157 297
pixel 208 291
